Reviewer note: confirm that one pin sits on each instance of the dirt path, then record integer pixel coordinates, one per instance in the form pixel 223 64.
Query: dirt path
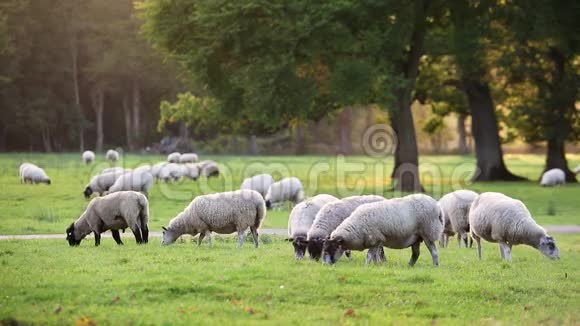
pixel 567 229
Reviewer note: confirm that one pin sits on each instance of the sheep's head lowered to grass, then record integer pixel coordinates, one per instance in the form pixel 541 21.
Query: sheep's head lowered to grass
pixel 300 244
pixel 548 247
pixel 169 236
pixel 71 237
pixel 88 192
pixel 315 248
pixel 332 250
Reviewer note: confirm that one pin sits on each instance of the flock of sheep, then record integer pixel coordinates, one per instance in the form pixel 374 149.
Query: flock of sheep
pixel 323 225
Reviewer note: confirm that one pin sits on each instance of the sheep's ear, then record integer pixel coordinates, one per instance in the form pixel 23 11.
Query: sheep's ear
pixel 289 239
pixel 164 228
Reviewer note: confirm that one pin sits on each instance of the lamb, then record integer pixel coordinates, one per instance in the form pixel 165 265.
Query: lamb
pixel 116 169
pixel 223 213
pixel 188 158
pixel 496 217
pixel 121 210
pixel 286 189
pixel 208 169
pixel 173 157
pixel 330 217
pixel 101 183
pixel 455 206
pixel 88 157
pixel 32 173
pixel 301 219
pixel 133 181
pixel 553 177
pixel 112 155
pixel 395 223
pixel 259 183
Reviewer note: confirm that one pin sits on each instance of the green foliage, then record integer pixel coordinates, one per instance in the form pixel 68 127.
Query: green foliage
pixel 198 113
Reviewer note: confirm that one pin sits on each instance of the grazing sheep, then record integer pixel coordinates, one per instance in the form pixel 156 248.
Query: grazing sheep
pixel 496 217
pixel 133 181
pixel 301 219
pixel 32 173
pixel 455 206
pixel 190 170
pixel 101 183
pixel 173 157
pixel 260 183
pixel 188 158
pixel 330 217
pixel 121 210
pixel 88 157
pixel 553 177
pixel 223 213
pixel 116 169
pixel 170 171
pixel 112 155
pixel 155 169
pixel 143 168
pixel 208 169
pixel 395 223
pixel 286 189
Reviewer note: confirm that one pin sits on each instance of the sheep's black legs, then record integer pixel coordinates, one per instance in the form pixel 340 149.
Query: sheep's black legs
pixel 470 241
pixel 200 239
pixel 241 238
pixel 137 234
pixel 97 239
pixel 433 249
pixel 348 254
pixel 381 254
pixel 117 237
pixel 464 236
pixel 254 231
pixel 416 251
pixel 145 233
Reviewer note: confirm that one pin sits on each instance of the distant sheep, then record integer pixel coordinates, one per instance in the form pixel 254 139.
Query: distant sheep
pixel 287 189
pixel 208 169
pixel 141 182
pixel 112 155
pixel 260 183
pixel 553 177
pixel 101 183
pixel 188 158
pixel 395 223
pixel 455 206
pixel 223 213
pixel 330 217
pixel 116 169
pixel 88 157
pixel 33 174
pixel 170 171
pixel 121 210
pixel 174 157
pixel 155 169
pixel 496 217
pixel 143 168
pixel 301 219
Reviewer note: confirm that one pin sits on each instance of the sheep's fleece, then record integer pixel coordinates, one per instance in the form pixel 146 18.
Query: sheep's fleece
pixel 553 177
pixel 173 157
pixel 32 173
pixel 188 158
pixel 260 183
pixel 124 209
pixel 133 181
pixel 455 206
pixel 101 183
pixel 88 157
pixel 112 155
pixel 496 217
pixel 223 213
pixel 286 189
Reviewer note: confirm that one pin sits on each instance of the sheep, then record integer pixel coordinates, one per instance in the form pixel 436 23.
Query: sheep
pixel 496 217
pixel 88 157
pixel 190 170
pixel 101 183
pixel 223 213
pixel 155 169
pixel 188 158
pixel 32 173
pixel 553 177
pixel 116 169
pixel 208 169
pixel 170 171
pixel 259 183
pixel 455 206
pixel 143 168
pixel 133 181
pixel 301 219
pixel 112 155
pixel 173 157
pixel 395 223
pixel 330 217
pixel 286 189
pixel 121 210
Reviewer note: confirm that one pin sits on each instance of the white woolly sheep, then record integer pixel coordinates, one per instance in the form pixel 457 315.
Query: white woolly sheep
pixel 553 177
pixel 88 157
pixel 112 155
pixel 330 217
pixel 496 217
pixel 155 169
pixel 208 169
pixel 286 189
pixel 190 170
pixel 141 182
pixel 171 171
pixel 260 183
pixel 101 183
pixel 32 173
pixel 116 169
pixel 395 223
pixel 121 210
pixel 222 213
pixel 301 219
pixel 143 168
pixel 455 206
pixel 188 158
pixel 173 157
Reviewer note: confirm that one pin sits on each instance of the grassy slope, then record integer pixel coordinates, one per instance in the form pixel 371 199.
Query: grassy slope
pixel 30 209
pixel 183 284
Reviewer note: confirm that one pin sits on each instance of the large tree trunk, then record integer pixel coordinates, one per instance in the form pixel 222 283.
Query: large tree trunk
pixel 98 102
pixel 345 146
pixel 556 158
pixel 253 145
pixel 462 133
pixel 300 139
pixel 128 123
pixel 485 132
pixel 136 114
pixel 77 96
pixel 46 141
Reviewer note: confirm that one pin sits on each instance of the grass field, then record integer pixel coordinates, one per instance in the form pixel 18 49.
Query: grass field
pixel 47 282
